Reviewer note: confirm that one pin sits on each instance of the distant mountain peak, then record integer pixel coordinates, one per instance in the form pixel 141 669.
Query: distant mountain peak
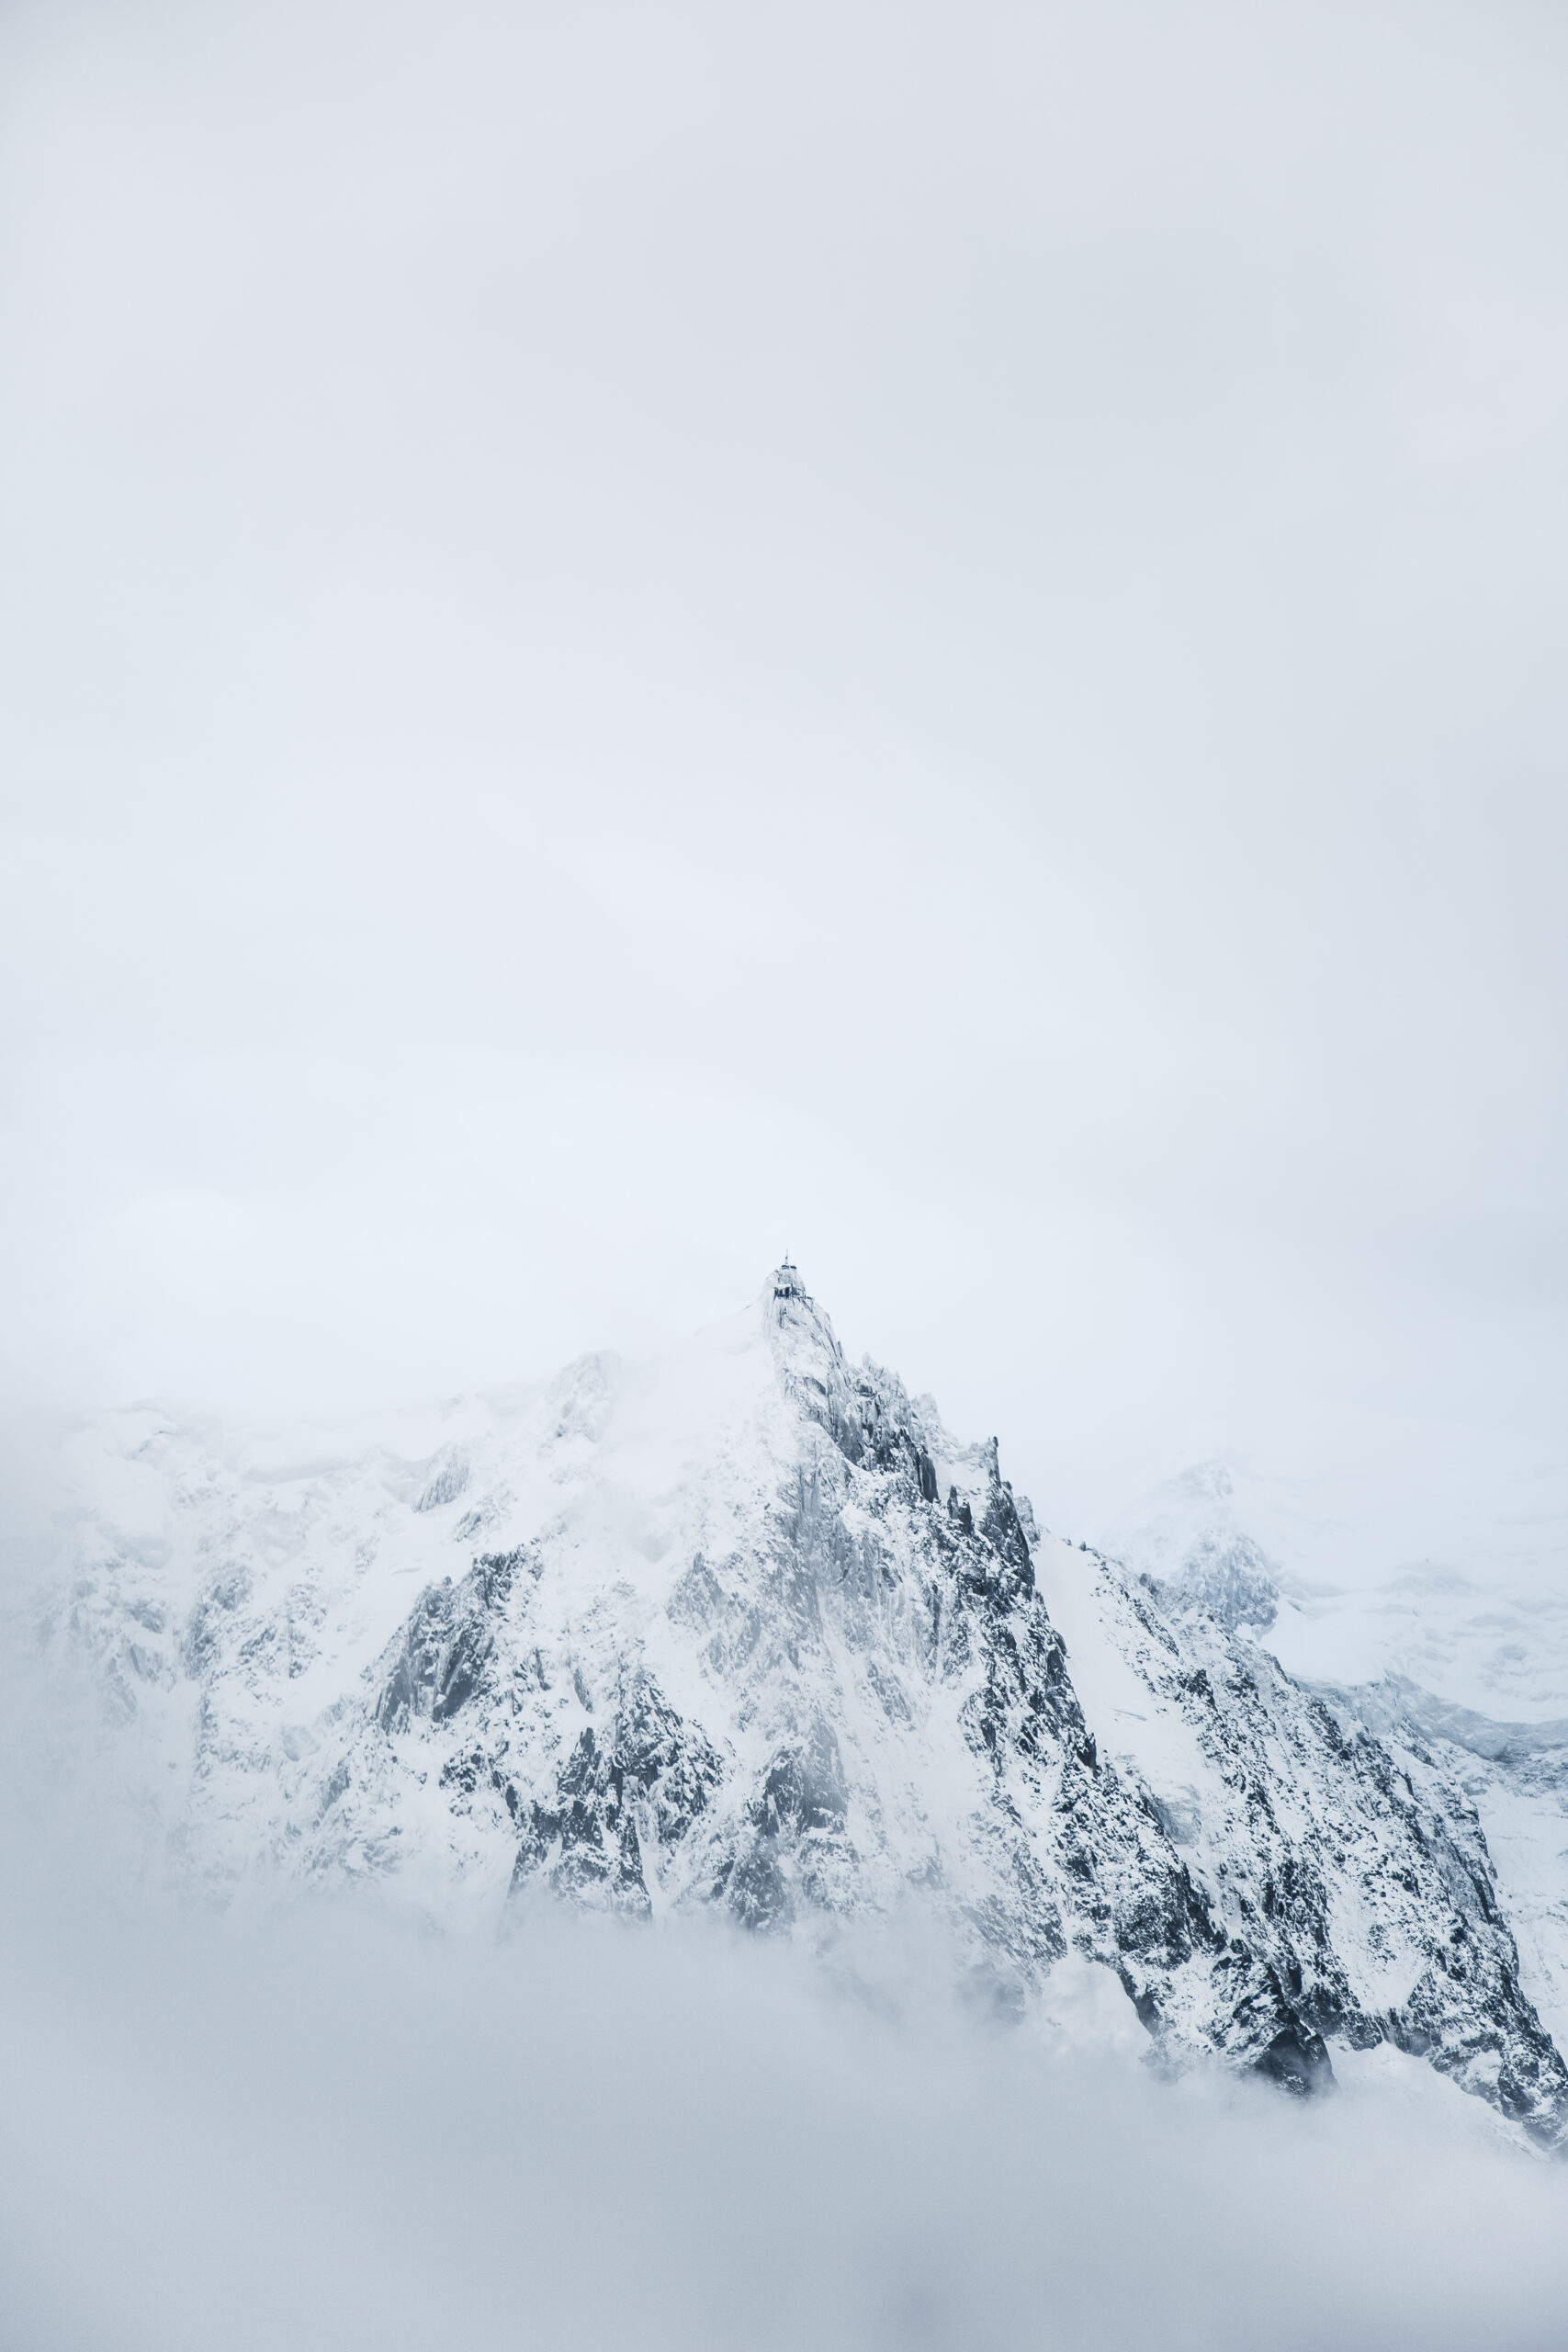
pixel 1211 1478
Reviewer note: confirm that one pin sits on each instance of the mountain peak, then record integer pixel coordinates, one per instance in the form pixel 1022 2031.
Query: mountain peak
pixel 786 1280
pixel 808 1359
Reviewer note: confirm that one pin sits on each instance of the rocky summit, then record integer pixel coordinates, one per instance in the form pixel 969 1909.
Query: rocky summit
pixel 745 1630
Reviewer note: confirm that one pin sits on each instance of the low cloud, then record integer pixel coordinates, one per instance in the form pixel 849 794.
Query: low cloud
pixel 330 2130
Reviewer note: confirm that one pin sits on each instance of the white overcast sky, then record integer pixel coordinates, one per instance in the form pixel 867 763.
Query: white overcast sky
pixel 931 633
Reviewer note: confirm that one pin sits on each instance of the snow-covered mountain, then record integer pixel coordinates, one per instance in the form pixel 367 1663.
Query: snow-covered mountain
pixel 746 1630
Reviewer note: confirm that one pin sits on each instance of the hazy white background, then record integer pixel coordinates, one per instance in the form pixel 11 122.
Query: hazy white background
pixel 633 635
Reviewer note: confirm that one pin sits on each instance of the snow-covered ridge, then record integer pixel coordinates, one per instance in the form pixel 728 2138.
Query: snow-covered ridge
pixel 1431 1654
pixel 747 1629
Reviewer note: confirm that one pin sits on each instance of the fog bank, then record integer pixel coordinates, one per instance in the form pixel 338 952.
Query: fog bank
pixel 328 2131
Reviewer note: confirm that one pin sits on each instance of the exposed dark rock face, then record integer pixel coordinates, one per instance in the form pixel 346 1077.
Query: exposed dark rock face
pixel 639 1785
pixel 446 1645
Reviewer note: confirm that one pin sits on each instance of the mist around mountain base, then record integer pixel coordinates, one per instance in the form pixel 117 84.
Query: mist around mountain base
pixel 332 2130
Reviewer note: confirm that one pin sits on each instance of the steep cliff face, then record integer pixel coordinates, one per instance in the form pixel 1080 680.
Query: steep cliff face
pixel 747 1629
pixel 1454 1658
pixel 1516 1776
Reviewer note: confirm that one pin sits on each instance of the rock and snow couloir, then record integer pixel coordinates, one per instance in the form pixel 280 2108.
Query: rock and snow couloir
pixel 746 1630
